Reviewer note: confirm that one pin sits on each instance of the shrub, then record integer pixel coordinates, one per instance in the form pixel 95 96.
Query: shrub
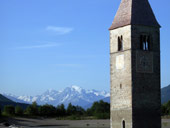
pixel 9 110
pixel 32 109
pixel 74 117
pixel 102 115
pixel 18 110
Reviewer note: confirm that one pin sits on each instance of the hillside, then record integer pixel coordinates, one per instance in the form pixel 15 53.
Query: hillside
pixel 5 101
pixel 165 94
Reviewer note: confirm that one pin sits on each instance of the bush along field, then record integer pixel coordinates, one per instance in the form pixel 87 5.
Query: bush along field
pixel 166 110
pixel 99 110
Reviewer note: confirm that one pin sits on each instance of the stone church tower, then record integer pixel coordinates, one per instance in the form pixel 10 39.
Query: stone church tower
pixel 135 66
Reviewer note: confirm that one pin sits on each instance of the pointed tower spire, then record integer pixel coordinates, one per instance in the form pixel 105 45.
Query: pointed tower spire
pixel 134 12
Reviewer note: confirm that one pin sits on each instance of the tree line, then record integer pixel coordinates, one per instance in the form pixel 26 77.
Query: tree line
pixel 99 110
pixel 166 109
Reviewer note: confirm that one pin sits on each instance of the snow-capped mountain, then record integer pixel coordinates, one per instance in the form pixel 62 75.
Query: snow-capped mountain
pixel 74 94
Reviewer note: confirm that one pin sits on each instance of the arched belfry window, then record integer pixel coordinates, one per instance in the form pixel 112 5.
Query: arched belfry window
pixel 120 43
pixel 145 42
pixel 123 124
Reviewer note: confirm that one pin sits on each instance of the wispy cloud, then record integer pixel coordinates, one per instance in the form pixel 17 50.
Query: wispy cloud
pixel 47 45
pixel 59 30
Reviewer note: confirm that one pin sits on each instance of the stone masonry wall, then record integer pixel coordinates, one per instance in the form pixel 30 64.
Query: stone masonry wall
pixel 135 78
pixel 121 78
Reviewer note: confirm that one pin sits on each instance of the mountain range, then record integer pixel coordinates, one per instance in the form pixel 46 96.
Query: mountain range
pixel 74 94
pixel 165 94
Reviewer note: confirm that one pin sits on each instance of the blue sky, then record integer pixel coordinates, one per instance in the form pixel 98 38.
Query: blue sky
pixel 53 44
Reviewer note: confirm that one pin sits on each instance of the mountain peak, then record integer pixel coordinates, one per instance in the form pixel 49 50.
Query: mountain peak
pixel 76 88
pixel 50 91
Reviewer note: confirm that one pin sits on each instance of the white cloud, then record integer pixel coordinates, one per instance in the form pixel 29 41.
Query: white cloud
pixel 47 45
pixel 59 30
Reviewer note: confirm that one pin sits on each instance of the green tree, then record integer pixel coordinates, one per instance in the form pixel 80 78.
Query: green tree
pixel 9 110
pixel 89 112
pixel 80 111
pixel 163 110
pixel 18 110
pixel 166 108
pixel 32 109
pixel 61 110
pixel 71 109
pixel 75 110
pixel 100 110
pixel 47 110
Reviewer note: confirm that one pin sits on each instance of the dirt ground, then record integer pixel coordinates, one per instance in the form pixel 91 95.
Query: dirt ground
pixel 165 123
pixel 53 123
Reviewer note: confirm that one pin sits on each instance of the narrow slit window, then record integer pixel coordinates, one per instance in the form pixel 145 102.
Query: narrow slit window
pixel 120 43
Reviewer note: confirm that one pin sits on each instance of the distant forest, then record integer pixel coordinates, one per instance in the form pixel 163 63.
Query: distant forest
pixel 99 110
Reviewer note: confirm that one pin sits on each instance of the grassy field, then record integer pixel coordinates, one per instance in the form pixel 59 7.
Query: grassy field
pixel 53 123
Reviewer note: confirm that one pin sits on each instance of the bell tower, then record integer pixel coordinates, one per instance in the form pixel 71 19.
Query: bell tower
pixel 135 67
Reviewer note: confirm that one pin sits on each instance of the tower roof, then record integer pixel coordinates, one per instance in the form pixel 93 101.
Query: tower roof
pixel 134 12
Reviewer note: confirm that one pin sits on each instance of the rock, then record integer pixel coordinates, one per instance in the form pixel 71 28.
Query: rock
pixel 6 124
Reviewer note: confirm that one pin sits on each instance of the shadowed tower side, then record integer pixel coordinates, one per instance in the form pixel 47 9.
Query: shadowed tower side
pixel 135 66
